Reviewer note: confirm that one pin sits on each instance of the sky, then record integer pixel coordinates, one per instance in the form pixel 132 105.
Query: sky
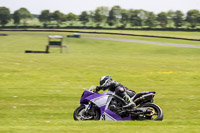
pixel 77 6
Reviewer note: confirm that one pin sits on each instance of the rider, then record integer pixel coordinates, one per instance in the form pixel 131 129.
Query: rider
pixel 106 82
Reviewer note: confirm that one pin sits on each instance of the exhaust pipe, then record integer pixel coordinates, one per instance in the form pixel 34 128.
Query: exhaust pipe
pixel 144 98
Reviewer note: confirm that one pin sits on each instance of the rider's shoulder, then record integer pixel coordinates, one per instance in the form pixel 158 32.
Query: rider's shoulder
pixel 116 83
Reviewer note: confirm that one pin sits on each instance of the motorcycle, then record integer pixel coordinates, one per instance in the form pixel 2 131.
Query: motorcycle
pixel 109 106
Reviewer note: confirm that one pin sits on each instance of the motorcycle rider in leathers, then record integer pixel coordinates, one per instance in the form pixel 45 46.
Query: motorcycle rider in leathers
pixel 106 82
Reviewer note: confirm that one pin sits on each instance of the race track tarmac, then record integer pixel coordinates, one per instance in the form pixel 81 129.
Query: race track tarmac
pixel 146 42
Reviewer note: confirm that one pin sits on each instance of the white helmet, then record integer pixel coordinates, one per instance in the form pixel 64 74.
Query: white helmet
pixel 105 79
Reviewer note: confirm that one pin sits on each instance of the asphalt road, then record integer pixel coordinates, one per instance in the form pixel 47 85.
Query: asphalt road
pixel 147 42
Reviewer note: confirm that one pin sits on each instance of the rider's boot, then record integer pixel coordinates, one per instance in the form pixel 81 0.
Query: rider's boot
pixel 130 104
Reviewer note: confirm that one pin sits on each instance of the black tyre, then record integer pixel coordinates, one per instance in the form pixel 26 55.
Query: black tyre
pixel 80 114
pixel 156 113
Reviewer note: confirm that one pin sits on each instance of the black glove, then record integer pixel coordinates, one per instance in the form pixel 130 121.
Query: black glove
pixel 98 88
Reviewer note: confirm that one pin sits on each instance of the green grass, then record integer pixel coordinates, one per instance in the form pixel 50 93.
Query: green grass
pixel 39 92
pixel 176 41
pixel 181 34
pixel 44 34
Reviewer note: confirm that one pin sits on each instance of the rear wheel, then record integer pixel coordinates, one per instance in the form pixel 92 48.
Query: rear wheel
pixel 154 114
pixel 81 114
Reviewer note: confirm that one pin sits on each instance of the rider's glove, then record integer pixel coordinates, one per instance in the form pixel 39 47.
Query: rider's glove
pixel 98 88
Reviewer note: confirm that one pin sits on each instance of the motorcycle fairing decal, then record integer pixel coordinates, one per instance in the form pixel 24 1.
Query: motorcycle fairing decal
pixel 102 108
pixel 100 101
pixel 107 117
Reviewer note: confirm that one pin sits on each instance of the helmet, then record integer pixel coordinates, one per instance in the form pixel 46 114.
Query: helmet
pixel 105 79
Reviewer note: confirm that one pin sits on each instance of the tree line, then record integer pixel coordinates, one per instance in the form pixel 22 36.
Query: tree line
pixel 112 17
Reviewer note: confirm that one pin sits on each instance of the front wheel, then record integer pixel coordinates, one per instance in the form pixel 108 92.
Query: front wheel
pixel 155 114
pixel 81 114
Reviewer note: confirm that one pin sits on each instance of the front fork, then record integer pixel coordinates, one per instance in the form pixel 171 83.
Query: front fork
pixel 88 106
pixel 88 109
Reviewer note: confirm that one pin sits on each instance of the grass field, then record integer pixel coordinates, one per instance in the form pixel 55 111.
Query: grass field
pixel 180 34
pixel 39 92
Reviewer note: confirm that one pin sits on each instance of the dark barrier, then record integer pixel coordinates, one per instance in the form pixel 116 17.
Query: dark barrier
pixel 101 28
pixel 30 51
pixel 3 34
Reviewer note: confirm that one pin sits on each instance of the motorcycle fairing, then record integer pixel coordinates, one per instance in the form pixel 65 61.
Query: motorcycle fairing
pixel 84 95
pixel 98 99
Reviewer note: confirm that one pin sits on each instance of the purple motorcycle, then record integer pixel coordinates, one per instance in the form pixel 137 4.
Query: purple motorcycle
pixel 109 106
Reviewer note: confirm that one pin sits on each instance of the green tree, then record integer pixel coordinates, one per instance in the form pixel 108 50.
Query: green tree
pixel 143 15
pixel 114 15
pixel 150 20
pixel 170 16
pixel 124 17
pixel 84 17
pixel 162 19
pixel 58 17
pixel 135 18
pixel 100 15
pixel 71 17
pixel 192 17
pixel 178 18
pixel 5 16
pixel 21 14
pixel 45 17
pixel 16 18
